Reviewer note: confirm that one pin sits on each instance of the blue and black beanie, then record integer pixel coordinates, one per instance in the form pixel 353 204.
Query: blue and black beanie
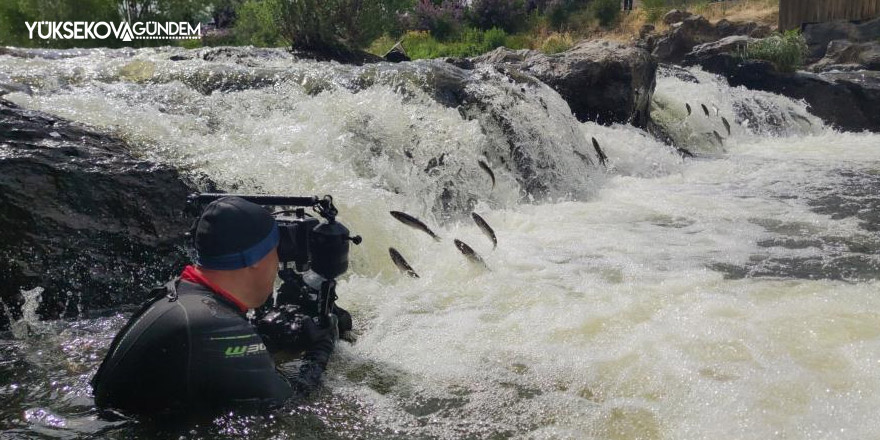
pixel 233 233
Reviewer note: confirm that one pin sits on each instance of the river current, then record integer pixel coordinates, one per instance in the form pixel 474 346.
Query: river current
pixel 730 295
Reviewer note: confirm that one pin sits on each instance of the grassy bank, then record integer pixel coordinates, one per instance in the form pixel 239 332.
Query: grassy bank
pixel 544 35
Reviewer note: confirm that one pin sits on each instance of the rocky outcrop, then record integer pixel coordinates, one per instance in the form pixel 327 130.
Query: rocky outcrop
pixel 80 217
pixel 847 100
pixel 845 55
pixel 676 16
pixel 696 30
pixel 602 81
pixel 718 56
pixel 397 54
pixel 819 35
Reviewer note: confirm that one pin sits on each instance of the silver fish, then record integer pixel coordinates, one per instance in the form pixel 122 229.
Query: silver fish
pixel 414 223
pixel 705 110
pixel 468 252
pixel 401 263
pixel 488 171
pixel 481 223
pixel 726 124
pixel 688 107
pixel 718 137
pixel 583 157
pixel 603 159
pixel 715 109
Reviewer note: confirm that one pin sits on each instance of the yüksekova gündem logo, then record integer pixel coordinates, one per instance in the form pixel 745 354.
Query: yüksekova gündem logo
pixel 101 30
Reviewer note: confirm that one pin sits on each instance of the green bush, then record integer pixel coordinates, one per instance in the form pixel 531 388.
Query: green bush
pixel 471 42
pixel 257 23
pixel 336 24
pixel 786 51
pixel 606 11
pixel 494 38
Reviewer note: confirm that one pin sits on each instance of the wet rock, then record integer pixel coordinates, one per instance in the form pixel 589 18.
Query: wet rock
pixel 602 81
pixel 819 35
pixel 847 55
pixel 81 217
pixel 397 54
pixel 676 16
pixel 847 100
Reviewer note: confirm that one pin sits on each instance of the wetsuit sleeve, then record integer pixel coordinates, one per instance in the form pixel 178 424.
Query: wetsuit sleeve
pixel 314 363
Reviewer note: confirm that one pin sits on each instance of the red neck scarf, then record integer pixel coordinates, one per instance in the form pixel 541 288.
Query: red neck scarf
pixel 194 275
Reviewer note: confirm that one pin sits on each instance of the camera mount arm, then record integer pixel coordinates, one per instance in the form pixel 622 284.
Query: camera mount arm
pixel 323 206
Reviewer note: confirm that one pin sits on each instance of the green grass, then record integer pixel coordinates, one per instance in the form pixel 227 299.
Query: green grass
pixel 786 51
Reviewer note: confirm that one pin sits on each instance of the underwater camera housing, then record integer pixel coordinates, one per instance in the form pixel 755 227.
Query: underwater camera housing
pixel 312 253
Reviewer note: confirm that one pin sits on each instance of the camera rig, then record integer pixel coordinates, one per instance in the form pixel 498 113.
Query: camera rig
pixel 312 253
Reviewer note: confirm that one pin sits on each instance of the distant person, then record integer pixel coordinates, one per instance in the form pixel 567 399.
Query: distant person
pixel 192 347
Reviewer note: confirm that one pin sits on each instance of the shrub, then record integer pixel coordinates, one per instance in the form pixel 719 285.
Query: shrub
pixel 654 9
pixel 786 51
pixel 494 38
pixel 257 24
pixel 329 25
pixel 606 11
pixel 442 20
pixel 509 15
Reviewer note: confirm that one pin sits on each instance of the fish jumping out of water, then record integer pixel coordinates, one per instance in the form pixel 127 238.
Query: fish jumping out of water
pixel 485 167
pixel 705 110
pixel 603 159
pixel 401 263
pixel 797 116
pixel 481 223
pixel 583 157
pixel 684 152
pixel 718 137
pixel 471 254
pixel 726 124
pixel 688 107
pixel 414 223
pixel 715 109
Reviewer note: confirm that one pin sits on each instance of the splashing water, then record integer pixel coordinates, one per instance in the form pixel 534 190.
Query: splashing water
pixel 728 296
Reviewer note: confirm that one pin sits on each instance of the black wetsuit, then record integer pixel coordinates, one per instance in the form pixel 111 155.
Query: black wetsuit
pixel 196 351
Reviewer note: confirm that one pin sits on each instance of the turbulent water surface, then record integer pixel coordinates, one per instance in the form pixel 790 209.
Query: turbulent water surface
pixel 731 295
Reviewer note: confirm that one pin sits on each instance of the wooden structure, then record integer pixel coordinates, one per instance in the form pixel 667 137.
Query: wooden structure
pixel 795 13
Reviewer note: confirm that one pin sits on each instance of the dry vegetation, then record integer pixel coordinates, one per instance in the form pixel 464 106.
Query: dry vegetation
pixel 761 11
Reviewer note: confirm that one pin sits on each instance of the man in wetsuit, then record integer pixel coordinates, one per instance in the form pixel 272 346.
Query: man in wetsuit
pixel 192 347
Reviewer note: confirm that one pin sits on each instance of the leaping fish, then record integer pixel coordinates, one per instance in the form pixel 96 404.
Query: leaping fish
pixel 688 107
pixel 481 223
pixel 401 263
pixel 705 110
pixel 414 223
pixel 603 159
pixel 488 171
pixel 718 137
pixel 726 124
pixel 469 253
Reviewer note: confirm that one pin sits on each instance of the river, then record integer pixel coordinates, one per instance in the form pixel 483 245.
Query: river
pixel 730 295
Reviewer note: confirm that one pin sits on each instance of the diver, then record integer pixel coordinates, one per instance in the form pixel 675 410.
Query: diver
pixel 192 348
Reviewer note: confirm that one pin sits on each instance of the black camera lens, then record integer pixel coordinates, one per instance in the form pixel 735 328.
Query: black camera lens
pixel 329 245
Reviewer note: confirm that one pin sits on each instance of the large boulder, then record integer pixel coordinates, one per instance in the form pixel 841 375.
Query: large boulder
pixel 718 56
pixel 846 100
pixel 819 35
pixel 693 31
pixel 81 218
pixel 846 55
pixel 602 81
pixel 676 16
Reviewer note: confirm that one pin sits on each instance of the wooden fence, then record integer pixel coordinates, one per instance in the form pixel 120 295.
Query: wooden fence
pixel 794 13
